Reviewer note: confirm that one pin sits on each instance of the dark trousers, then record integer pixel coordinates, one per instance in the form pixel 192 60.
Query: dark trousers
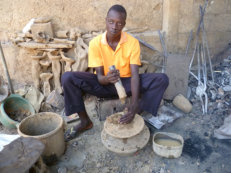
pixel 152 88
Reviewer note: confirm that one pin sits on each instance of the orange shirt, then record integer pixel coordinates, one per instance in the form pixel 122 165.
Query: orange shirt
pixel 127 52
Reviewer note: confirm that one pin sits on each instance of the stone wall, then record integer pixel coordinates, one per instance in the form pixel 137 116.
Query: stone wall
pixel 175 17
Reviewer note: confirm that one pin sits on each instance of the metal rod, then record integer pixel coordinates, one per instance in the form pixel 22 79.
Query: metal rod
pixel 204 70
pixel 188 43
pixel 164 50
pixel 193 75
pixel 143 42
pixel 198 31
pixel 6 69
pixel 198 64
pixel 204 38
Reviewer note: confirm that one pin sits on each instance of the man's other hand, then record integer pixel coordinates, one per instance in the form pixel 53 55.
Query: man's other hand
pixel 129 113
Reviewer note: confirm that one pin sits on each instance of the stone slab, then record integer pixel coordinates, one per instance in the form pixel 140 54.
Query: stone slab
pixel 177 71
pixel 20 155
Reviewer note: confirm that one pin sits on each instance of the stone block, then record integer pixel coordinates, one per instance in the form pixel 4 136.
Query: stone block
pixel 182 103
pixel 177 71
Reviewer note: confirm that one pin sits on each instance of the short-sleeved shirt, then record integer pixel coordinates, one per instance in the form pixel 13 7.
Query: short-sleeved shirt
pixel 127 52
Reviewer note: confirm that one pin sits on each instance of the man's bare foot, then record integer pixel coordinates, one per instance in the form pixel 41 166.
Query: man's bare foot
pixel 75 130
pixel 83 126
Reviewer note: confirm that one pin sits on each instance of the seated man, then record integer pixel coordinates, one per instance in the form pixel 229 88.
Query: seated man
pixel 118 48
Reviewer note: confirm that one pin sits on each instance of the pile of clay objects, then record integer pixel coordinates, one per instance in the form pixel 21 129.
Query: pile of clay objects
pixel 53 52
pixel 124 139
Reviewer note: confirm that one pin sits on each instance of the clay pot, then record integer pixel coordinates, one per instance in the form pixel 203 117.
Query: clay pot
pixel 48 127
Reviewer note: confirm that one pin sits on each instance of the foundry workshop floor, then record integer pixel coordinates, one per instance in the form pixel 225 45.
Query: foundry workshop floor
pixel 202 153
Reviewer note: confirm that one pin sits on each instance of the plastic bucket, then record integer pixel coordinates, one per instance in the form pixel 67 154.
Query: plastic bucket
pixel 12 104
pixel 48 127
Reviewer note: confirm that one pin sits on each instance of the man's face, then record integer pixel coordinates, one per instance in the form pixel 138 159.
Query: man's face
pixel 115 22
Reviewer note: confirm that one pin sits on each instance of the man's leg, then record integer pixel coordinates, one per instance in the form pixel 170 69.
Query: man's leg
pixel 74 84
pixel 153 86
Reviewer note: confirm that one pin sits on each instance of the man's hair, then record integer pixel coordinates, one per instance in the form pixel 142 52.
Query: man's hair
pixel 118 8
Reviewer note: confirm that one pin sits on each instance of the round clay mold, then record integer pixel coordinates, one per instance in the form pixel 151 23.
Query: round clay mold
pixel 126 146
pixel 117 130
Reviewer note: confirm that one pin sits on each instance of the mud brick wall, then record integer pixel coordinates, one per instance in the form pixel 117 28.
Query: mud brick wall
pixel 182 16
pixel 175 17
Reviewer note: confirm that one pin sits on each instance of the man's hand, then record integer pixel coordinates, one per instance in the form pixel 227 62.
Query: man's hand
pixel 135 88
pixel 129 113
pixel 113 76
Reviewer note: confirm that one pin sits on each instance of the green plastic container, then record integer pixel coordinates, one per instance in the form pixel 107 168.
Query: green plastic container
pixel 12 104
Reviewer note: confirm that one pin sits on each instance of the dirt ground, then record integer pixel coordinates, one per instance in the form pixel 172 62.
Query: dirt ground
pixel 202 153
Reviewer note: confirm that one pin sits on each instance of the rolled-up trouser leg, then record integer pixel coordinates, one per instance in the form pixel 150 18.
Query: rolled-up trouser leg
pixel 153 86
pixel 75 83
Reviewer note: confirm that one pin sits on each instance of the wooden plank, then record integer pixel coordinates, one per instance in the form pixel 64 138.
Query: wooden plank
pixel 34 45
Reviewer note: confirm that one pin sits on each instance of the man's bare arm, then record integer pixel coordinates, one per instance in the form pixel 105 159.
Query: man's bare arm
pixel 111 77
pixel 135 89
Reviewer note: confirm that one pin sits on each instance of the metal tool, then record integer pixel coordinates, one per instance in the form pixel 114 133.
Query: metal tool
pixel 201 62
pixel 6 69
pixel 143 42
pixel 202 84
pixel 188 43
pixel 164 52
